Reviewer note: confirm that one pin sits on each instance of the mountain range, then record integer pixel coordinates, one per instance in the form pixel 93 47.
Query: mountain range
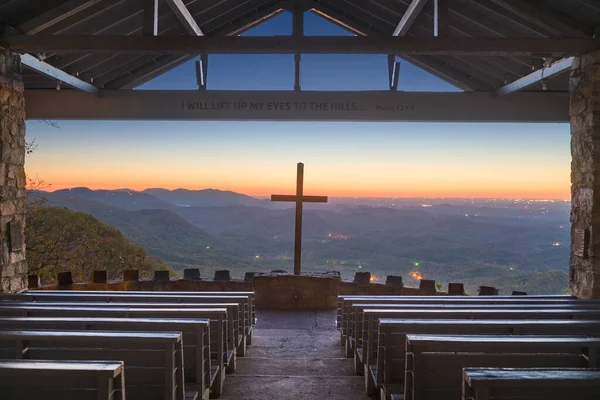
pixel 214 229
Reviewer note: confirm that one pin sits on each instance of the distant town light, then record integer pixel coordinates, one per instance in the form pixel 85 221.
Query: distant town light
pixel 360 266
pixel 556 244
pixel 257 256
pixel 416 264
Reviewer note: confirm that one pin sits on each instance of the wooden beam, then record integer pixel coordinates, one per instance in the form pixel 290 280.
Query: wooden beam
pixel 538 76
pixel 299 106
pixel 440 18
pixel 52 72
pixel 540 47
pixel 55 15
pixel 150 25
pixel 409 17
pixel 297 31
pixel 184 16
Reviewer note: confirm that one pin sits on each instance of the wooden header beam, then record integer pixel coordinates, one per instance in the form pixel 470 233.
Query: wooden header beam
pixel 374 106
pixel 52 72
pixel 536 77
pixel 540 47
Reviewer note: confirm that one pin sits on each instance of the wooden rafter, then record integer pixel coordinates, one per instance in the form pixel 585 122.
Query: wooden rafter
pixel 415 7
pixel 57 74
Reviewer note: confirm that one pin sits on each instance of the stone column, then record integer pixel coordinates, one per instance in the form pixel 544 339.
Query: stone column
pixel 13 267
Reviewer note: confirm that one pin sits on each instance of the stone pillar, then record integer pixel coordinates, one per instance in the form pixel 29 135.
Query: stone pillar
pixel 584 261
pixel 13 267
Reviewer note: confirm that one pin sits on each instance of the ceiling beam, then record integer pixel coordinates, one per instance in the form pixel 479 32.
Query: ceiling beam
pixel 54 16
pixel 441 13
pixel 538 76
pixel 150 25
pixel 545 47
pixel 184 16
pixel 409 17
pixel 52 72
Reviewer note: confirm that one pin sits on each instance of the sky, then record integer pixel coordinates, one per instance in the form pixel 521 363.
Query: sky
pixel 341 159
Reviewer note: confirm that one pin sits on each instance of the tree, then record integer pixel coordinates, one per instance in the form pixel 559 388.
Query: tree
pixel 59 239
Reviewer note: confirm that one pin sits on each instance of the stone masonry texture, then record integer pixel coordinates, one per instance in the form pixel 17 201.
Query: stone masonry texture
pixel 584 277
pixel 13 267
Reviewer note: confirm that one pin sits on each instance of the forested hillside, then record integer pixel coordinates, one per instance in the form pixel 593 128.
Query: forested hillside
pixel 59 239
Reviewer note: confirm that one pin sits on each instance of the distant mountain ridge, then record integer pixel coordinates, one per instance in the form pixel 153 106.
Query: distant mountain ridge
pixel 122 198
pixel 203 198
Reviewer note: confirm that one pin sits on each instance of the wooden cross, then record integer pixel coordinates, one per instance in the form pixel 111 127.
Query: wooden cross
pixel 299 198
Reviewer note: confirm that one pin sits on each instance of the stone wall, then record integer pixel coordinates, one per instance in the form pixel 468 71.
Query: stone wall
pixel 13 267
pixel 274 291
pixel 584 280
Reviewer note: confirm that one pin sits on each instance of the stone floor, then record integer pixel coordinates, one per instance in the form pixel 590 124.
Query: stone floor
pixel 295 355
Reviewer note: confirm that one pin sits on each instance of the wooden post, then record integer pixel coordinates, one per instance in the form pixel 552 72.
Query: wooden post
pixel 298 230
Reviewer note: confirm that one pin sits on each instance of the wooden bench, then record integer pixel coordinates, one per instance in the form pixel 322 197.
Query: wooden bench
pixel 372 317
pixel 434 363
pixel 530 384
pixel 236 320
pixel 424 299
pixel 61 380
pixel 244 301
pixel 347 317
pixel 217 317
pixel 196 341
pixel 251 296
pixel 153 360
pixel 356 338
pixel 388 373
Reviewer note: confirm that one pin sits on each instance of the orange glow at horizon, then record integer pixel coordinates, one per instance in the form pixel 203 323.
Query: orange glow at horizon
pixel 528 192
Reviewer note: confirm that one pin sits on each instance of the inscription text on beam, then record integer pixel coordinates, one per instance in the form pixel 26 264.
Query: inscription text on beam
pixel 299 199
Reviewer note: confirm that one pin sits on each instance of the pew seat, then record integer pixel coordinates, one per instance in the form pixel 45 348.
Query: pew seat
pixel 61 380
pixel 526 384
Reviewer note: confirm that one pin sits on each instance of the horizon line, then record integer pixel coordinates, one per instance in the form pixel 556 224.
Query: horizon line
pixel 331 197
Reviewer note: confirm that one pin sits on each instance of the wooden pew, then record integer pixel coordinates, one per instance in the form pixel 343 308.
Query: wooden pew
pixel 356 335
pixel 372 317
pixel 196 341
pixel 347 318
pixel 389 371
pixel 234 340
pixel 217 317
pixel 153 360
pixel 61 380
pixel 245 300
pixel 530 384
pixel 434 363
pixel 251 296
pixel 421 299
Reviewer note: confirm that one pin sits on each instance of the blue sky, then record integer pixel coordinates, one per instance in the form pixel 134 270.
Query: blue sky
pixel 388 159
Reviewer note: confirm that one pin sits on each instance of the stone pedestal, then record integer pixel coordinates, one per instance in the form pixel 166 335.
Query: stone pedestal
pixel 584 277
pixel 296 292
pixel 13 267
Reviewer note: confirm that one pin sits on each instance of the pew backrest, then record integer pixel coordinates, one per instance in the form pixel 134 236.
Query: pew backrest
pixel 393 332
pixel 62 380
pixel 525 384
pixel 195 336
pixel 372 316
pixel 153 360
pixel 180 294
pixel 217 317
pixel 233 335
pixel 434 362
